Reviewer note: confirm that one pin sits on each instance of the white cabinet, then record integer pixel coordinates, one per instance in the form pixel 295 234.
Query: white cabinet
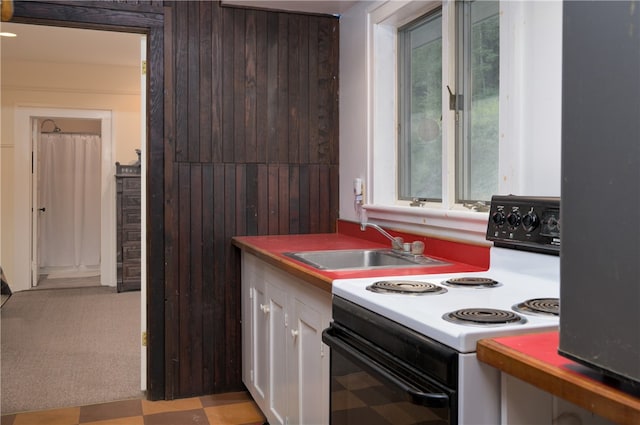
pixel 524 404
pixel 285 364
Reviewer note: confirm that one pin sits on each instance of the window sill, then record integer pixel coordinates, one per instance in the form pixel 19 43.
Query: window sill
pixel 467 226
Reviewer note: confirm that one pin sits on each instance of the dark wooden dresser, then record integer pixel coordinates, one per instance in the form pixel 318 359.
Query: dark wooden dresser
pixel 128 215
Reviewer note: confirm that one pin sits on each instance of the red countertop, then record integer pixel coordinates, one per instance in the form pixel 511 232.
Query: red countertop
pixel 534 359
pixel 463 257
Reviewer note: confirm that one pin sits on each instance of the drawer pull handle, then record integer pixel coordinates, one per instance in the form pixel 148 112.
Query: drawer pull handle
pixel 294 333
pixel 264 308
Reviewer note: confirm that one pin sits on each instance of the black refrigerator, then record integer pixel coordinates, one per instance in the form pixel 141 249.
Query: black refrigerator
pixel 600 254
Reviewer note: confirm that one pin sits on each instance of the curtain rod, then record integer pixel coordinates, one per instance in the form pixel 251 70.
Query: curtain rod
pixel 71 132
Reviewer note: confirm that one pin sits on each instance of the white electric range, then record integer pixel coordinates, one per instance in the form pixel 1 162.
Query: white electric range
pixel 377 326
pixel 520 277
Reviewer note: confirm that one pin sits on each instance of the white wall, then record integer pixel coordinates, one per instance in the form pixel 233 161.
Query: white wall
pixel 59 85
pixel 354 104
pixel 531 59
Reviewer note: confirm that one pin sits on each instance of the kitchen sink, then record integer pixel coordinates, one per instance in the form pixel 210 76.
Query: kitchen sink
pixel 361 259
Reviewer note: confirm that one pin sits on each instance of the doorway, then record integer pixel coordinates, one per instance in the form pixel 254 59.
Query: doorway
pixel 25 183
pixel 115 145
pixel 67 203
pixel 148 20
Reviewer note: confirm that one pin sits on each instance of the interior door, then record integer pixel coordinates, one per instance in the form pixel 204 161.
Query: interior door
pixel 36 208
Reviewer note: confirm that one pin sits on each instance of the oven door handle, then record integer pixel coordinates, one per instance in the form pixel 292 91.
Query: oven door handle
pixel 416 396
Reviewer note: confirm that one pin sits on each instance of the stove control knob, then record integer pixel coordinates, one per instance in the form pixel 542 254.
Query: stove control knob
pixel 530 221
pixel 514 219
pixel 498 218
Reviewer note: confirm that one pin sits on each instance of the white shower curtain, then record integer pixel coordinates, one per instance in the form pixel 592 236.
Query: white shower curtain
pixel 69 190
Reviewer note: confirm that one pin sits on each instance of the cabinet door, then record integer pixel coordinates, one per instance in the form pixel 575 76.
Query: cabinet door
pixel 254 329
pixel 310 365
pixel 277 362
pixel 259 341
pixel 246 301
pixel 285 364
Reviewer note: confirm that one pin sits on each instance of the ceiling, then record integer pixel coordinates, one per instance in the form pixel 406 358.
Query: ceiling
pixel 71 45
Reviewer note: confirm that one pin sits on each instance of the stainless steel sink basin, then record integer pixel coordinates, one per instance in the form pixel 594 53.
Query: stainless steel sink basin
pixel 360 259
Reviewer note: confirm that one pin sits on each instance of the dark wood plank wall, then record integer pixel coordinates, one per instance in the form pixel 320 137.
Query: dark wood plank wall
pixel 249 147
pixel 252 149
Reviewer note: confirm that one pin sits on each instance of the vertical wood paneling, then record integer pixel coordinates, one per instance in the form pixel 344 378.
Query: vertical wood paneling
pixel 304 81
pixel 283 88
pixel 294 199
pixel 230 370
pixel 260 157
pixel 170 182
pixel 208 279
pixel 262 105
pixel 172 281
pixel 219 329
pixel 305 203
pixel 313 122
pixel 251 199
pixel 250 107
pixel 263 199
pixel 334 202
pixel 184 276
pixel 216 84
pixel 314 198
pixel 272 87
pixel 293 133
pixel 192 97
pixel 228 96
pixel 283 199
pixel 239 86
pixel 241 199
pixel 206 82
pixel 181 83
pixel 332 119
pixel 273 199
pixel 195 321
pixel 324 199
pixel 325 99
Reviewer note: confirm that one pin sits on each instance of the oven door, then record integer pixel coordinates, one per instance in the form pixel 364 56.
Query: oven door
pixel 370 386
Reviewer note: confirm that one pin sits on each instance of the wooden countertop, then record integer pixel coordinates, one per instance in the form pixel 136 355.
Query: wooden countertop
pixel 462 257
pixel 534 359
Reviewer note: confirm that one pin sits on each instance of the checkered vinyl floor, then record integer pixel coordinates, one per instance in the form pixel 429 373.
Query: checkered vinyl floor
pixel 218 409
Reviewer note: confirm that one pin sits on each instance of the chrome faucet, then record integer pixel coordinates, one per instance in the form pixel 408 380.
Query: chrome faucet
pixel 396 243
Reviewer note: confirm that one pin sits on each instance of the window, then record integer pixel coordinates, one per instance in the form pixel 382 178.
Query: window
pixel 470 106
pixel 420 108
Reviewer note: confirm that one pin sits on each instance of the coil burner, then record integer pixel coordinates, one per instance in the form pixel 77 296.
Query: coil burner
pixel 471 282
pixel 483 317
pixel 405 287
pixel 539 306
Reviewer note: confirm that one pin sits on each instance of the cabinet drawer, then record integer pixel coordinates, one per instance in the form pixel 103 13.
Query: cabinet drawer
pixel 131 251
pixel 131 184
pixel 130 201
pixel 130 235
pixel 131 271
pixel 131 217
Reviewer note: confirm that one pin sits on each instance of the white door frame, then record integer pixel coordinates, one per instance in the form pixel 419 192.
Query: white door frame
pixel 23 186
pixel 143 210
pixel 35 210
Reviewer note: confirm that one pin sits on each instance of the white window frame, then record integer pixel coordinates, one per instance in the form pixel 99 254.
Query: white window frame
pixel 445 219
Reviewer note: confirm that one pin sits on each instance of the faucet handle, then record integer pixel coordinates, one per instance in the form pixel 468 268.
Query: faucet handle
pixel 398 243
pixel 417 248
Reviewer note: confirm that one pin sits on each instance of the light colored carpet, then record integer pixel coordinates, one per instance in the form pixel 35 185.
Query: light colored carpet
pixel 69 347
pixel 47 282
